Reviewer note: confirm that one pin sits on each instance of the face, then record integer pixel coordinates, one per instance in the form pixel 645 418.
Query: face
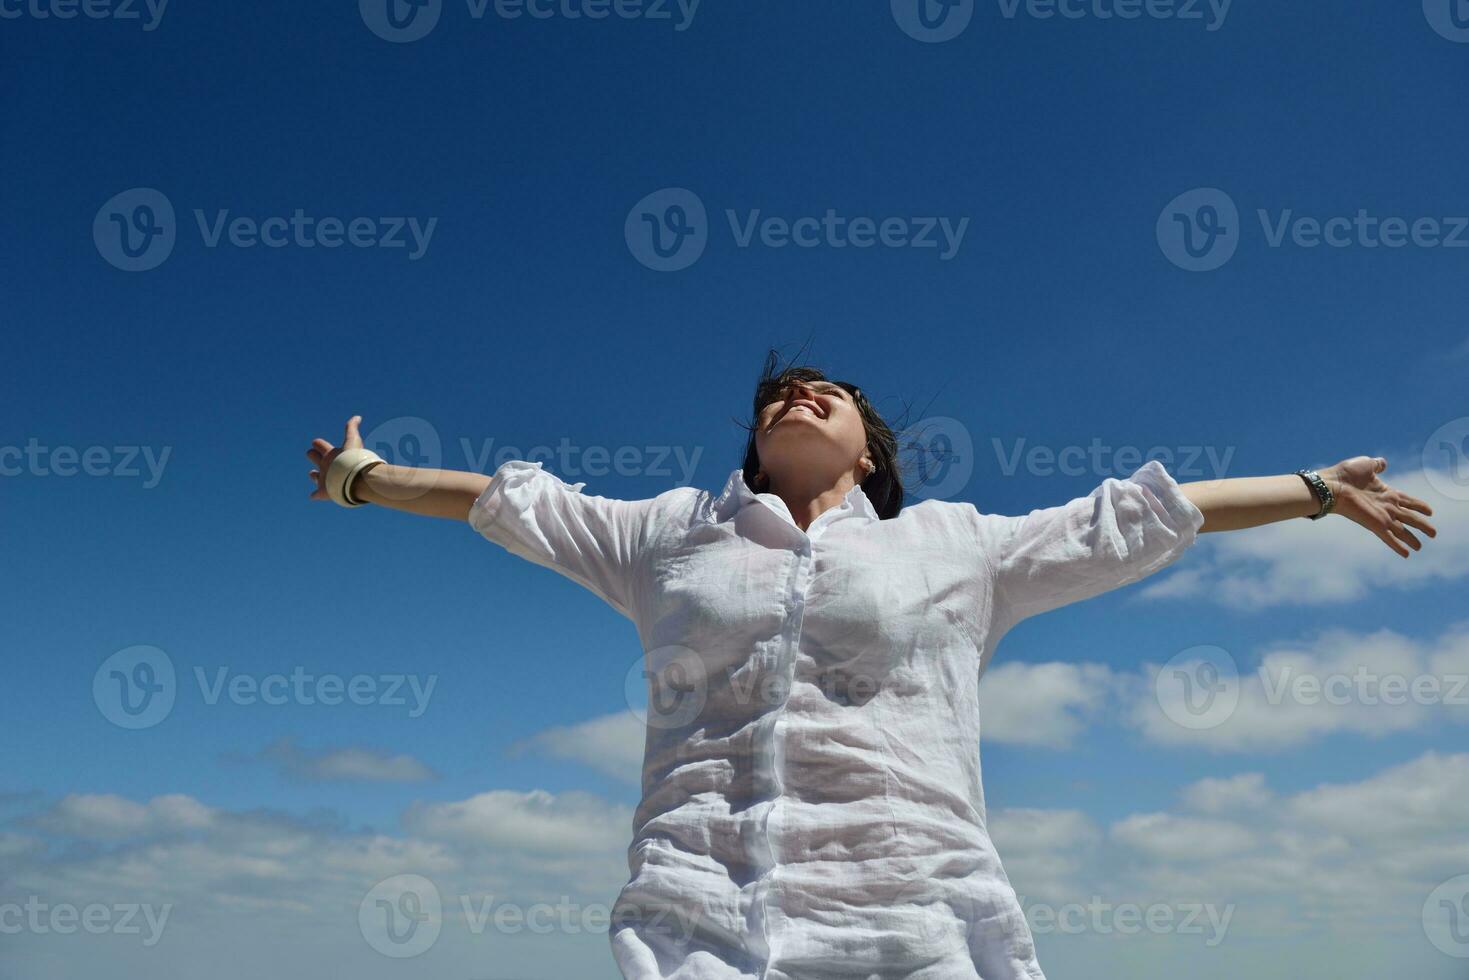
pixel 812 423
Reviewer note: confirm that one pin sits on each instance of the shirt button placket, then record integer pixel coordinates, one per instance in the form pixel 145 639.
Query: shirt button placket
pixel 799 587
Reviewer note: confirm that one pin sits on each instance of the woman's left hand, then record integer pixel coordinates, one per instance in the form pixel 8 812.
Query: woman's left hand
pixel 1361 496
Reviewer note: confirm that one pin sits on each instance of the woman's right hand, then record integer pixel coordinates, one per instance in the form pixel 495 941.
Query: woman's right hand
pixel 322 453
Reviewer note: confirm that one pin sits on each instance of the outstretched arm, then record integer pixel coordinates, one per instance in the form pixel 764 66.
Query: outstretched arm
pixel 1361 497
pixel 416 490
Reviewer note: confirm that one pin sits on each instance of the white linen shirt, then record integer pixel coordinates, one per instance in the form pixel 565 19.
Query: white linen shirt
pixel 812 806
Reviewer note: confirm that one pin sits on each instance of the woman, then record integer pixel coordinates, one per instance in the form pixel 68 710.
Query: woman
pixel 812 804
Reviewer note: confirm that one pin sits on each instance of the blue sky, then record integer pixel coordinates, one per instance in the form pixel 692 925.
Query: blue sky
pixel 523 153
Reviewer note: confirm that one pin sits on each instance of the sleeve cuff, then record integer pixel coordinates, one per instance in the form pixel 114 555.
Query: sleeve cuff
pixel 1181 513
pixel 486 510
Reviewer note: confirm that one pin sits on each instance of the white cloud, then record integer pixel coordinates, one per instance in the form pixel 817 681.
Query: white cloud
pixel 1338 863
pixel 1319 562
pixel 1425 797
pixel 99 816
pixel 1335 682
pixel 1242 792
pixel 1168 837
pixel 611 744
pixel 1357 858
pixel 1041 704
pixel 344 764
pixel 535 821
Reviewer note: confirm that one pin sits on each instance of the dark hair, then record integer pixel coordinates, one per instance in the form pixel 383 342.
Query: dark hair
pixel 883 486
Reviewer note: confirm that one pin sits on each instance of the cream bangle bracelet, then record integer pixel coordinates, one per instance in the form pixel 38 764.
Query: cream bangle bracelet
pixel 344 469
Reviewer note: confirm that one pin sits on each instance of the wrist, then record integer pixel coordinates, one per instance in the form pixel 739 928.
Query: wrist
pixel 359 488
pixel 1323 485
pixel 342 474
pixel 1339 487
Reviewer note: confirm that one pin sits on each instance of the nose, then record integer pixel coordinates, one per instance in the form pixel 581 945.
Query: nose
pixel 799 389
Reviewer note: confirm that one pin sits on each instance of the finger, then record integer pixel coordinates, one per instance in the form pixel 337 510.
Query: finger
pixel 1406 536
pixel 322 445
pixel 1391 542
pixel 1381 463
pixel 353 439
pixel 1416 504
pixel 1413 520
pixel 315 455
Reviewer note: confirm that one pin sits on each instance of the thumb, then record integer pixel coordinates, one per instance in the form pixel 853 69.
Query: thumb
pixel 353 440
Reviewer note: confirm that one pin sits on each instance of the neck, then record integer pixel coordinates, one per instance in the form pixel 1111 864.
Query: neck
pixel 808 496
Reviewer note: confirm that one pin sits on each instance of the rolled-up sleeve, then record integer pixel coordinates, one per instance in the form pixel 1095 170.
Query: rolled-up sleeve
pixel 1124 530
pixel 595 541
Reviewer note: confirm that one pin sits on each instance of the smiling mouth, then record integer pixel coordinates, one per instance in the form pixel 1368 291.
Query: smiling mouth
pixel 808 406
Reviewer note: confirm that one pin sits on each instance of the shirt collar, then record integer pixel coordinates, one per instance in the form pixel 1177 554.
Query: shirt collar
pixel 736 496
